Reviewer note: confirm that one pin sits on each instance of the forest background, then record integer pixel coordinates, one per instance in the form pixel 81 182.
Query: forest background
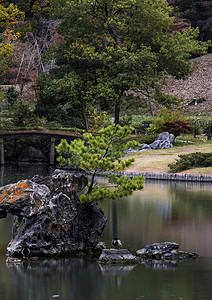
pixel 76 65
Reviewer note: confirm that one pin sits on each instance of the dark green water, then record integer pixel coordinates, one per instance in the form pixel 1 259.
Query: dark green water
pixel 161 212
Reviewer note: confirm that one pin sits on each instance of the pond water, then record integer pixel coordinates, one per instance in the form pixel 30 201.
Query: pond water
pixel 163 211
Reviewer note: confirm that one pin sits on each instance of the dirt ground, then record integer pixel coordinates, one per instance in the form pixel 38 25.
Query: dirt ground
pixel 198 85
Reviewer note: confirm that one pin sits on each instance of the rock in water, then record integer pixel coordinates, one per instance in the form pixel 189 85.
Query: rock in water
pixel 165 251
pixel 122 256
pixel 49 218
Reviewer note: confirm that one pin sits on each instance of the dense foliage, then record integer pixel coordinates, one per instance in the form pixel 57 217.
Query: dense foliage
pixel 10 17
pixel 111 48
pixel 193 160
pixel 166 115
pixel 197 13
pixel 177 127
pixel 102 54
pixel 96 154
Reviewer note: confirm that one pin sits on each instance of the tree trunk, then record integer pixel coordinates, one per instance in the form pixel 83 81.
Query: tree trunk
pixel 117 113
pixel 85 118
pixel 150 104
pixel 91 182
pixel 209 133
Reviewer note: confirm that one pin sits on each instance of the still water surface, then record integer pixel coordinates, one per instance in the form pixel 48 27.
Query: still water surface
pixel 163 211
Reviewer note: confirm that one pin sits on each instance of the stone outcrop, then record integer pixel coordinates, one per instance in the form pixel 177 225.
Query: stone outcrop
pixel 49 218
pixel 163 255
pixel 163 141
pixel 167 251
pixel 122 256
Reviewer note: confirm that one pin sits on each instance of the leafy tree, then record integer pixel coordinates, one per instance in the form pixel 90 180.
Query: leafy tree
pixel 96 120
pixel 96 154
pixel 177 127
pixel 10 17
pixel 60 99
pixel 165 115
pixel 117 46
pixel 31 7
pixel 12 95
pixel 166 100
pixel 198 14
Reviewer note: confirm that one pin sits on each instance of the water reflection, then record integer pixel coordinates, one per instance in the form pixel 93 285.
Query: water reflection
pixel 14 173
pixel 163 211
pixel 80 279
pixel 64 278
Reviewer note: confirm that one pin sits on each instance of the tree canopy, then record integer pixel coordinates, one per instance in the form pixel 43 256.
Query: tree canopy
pixel 100 153
pixel 103 53
pixel 114 47
pixel 10 17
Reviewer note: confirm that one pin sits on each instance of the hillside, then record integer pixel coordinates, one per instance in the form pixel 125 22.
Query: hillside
pixel 198 85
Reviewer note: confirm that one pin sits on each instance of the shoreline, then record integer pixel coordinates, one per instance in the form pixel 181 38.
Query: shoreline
pixel 167 176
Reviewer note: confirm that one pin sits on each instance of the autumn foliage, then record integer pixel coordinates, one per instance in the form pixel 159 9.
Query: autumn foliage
pixel 177 127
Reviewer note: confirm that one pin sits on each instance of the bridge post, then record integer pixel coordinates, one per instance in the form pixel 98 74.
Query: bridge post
pixel 1 152
pixel 52 151
pixel 1 175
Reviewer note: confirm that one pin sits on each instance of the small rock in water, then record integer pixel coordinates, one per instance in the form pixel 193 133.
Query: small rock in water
pixel 117 256
pixel 167 251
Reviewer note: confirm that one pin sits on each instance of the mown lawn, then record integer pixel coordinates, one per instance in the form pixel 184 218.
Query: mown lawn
pixel 157 161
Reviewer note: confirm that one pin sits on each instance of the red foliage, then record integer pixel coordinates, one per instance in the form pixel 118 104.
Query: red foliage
pixel 177 127
pixel 179 25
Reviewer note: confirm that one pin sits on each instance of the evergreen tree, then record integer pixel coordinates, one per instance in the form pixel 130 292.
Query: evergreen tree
pixel 96 154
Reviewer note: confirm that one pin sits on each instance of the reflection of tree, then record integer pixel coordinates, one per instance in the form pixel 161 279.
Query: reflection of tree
pixel 69 278
pixel 191 200
pixel 116 272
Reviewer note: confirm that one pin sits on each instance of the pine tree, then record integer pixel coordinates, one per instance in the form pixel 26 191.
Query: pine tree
pixel 101 153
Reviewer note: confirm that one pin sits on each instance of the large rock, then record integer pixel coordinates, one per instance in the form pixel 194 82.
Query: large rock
pixel 49 218
pixel 163 141
pixel 143 147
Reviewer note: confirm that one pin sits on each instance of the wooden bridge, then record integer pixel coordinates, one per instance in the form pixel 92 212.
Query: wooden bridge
pixel 48 134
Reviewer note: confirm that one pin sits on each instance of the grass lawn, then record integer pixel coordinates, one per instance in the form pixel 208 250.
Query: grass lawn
pixel 156 161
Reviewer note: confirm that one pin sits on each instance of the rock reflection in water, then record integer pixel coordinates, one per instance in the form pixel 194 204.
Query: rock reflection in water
pixel 67 278
pixel 161 265
pixel 116 272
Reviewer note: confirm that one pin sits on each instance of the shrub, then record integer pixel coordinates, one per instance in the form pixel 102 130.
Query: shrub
pixel 165 115
pixel 144 138
pixel 177 127
pixel 12 95
pixel 188 161
pixel 139 122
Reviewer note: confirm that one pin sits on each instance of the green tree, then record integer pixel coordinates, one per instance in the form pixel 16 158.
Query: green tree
pixel 10 16
pixel 165 115
pixel 101 153
pixel 122 45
